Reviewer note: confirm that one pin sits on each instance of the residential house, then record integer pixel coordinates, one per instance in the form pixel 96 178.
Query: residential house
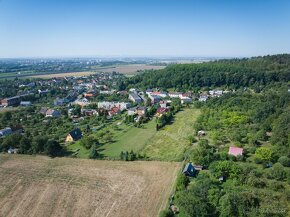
pixel 5 132
pixel 202 98
pixel 154 99
pixel 89 112
pixel 164 103
pixel 174 94
pixel 108 92
pixel 12 101
pixel 25 103
pixel 148 92
pixel 134 97
pixel 132 111
pixel 74 135
pixel 82 102
pixel 122 92
pixel 235 151
pixel 71 97
pixel 161 111
pixel 186 100
pixel 59 102
pixel 215 93
pixel 109 105
pixel 141 111
pixel 32 84
pixel 89 95
pixel 52 113
pixel 114 111
pixel 162 94
pixel 189 170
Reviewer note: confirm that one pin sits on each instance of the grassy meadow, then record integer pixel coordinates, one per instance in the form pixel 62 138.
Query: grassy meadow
pixel 169 143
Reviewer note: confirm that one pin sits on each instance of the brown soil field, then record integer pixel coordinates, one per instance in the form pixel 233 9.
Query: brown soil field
pixel 124 69
pixel 131 68
pixel 41 186
pixel 58 75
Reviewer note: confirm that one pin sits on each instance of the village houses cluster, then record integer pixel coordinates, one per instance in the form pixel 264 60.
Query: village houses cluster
pixel 83 91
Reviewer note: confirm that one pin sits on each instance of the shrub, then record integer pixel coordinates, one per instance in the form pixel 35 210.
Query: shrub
pixel 181 182
pixel 264 154
pixel 166 213
pixel 285 161
pixel 276 172
pixel 252 150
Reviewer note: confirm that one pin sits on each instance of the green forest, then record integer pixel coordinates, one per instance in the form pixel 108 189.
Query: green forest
pixel 256 117
pixel 257 183
pixel 234 73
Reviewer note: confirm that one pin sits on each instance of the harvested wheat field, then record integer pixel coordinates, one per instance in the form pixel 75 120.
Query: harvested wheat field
pixel 40 186
pixel 60 75
pixel 131 68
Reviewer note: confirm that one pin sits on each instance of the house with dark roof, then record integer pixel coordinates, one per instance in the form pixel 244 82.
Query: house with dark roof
pixel 134 97
pixel 74 135
pixel 58 102
pixel 52 113
pixel 12 101
pixel 154 98
pixel 189 170
pixel 5 132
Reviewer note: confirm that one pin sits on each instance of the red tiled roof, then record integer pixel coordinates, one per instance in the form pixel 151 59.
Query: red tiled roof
pixel 162 110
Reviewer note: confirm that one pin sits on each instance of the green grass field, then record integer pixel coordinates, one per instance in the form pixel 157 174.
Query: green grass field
pixel 169 143
pixel 82 152
pixel 128 138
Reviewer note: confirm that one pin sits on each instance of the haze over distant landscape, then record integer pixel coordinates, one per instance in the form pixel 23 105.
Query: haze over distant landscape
pixel 143 28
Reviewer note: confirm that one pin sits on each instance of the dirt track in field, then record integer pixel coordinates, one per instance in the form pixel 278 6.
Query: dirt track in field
pixel 40 186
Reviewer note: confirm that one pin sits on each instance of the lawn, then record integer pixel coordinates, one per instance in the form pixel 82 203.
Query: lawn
pixel 127 138
pixel 76 147
pixel 169 143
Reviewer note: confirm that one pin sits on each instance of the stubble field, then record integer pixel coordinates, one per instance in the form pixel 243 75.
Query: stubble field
pixel 129 70
pixel 40 186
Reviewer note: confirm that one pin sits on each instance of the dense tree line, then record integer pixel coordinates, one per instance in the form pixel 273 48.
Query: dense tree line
pixel 25 144
pixel 235 73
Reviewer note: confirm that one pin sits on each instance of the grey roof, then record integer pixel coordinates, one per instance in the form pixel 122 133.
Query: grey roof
pixel 135 96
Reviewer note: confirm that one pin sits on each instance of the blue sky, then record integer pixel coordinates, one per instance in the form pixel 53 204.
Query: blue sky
pixel 54 28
